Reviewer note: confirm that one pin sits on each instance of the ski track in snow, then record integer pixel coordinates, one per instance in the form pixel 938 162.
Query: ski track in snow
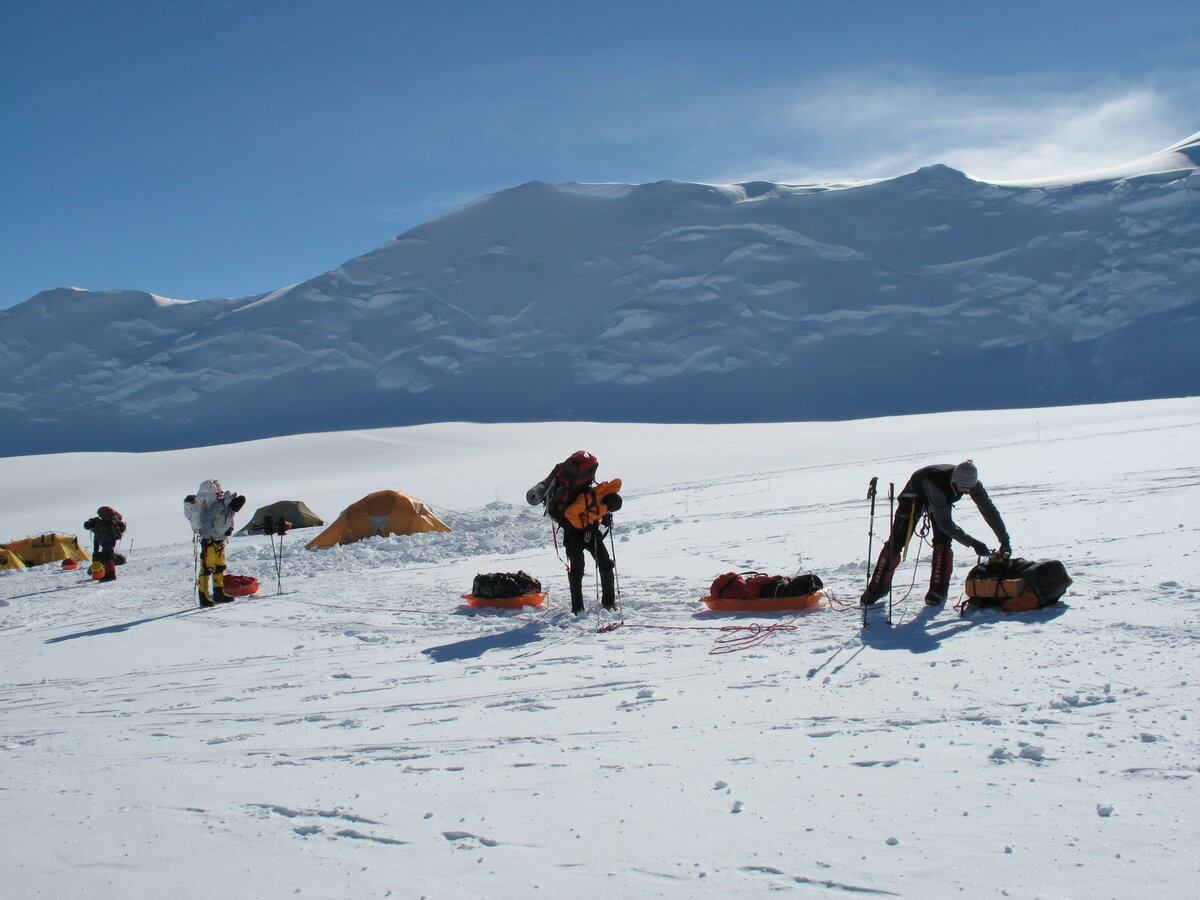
pixel 364 732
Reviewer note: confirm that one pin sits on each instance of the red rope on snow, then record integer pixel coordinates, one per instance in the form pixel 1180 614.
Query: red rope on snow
pixel 732 639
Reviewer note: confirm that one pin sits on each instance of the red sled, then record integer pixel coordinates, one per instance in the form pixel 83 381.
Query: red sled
pixel 765 604
pixel 534 598
pixel 241 585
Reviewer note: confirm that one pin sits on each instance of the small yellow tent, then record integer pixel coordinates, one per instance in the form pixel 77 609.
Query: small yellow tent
pixel 48 548
pixel 381 513
pixel 9 560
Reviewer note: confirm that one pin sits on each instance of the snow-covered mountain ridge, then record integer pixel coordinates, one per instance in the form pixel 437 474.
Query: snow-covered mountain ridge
pixel 656 302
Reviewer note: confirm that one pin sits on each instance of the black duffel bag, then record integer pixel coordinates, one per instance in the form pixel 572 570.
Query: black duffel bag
pixel 504 584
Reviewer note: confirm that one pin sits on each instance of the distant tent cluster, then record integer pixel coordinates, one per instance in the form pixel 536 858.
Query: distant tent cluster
pixel 379 514
pixel 40 550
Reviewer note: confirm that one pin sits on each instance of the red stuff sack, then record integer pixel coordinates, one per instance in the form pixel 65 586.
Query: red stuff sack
pixel 731 585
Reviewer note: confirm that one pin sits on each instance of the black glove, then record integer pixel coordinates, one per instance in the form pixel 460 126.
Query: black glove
pixel 190 498
pixel 1005 549
pixel 979 547
pixel 237 503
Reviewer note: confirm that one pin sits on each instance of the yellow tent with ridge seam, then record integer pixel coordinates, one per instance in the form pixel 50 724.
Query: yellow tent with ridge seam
pixel 379 514
pixel 48 548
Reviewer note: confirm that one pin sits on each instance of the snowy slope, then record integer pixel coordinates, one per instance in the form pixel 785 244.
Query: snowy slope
pixel 656 302
pixel 363 735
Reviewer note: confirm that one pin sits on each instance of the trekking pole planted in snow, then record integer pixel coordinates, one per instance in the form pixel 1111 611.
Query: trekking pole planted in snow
pixel 612 542
pixel 195 563
pixel 274 527
pixel 891 522
pixel 870 536
pixel 275 560
pixel 279 560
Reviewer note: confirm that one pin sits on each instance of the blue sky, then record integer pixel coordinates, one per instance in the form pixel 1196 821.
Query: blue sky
pixel 203 148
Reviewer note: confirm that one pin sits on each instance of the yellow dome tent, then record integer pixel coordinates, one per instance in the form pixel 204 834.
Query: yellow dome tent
pixel 48 548
pixel 379 514
pixel 9 560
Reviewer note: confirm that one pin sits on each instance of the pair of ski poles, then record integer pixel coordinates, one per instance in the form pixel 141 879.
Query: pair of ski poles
pixel 277 556
pixel 871 492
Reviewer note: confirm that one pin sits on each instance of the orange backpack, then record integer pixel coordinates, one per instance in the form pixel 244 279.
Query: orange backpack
pixel 592 504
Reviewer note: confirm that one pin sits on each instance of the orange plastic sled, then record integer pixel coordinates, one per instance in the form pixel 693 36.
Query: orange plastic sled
pixel 764 604
pixel 241 585
pixel 534 598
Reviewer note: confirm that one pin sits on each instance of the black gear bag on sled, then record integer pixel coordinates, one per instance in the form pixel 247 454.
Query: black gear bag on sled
pixel 504 584
pixel 1016 585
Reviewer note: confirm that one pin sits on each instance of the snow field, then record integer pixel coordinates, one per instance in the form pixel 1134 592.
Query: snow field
pixel 364 733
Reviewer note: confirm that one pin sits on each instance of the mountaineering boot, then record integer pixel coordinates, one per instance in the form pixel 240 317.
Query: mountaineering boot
pixel 110 571
pixel 219 595
pixel 939 576
pixel 881 578
pixel 204 601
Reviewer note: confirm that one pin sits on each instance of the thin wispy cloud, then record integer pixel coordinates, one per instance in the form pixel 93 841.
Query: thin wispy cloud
pixel 882 124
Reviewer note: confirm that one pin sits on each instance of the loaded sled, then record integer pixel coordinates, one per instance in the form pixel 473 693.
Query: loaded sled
pixel 1015 585
pixel 505 590
pixel 756 592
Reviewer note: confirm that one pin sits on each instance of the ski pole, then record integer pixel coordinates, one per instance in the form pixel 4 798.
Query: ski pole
pixel 870 537
pixel 195 564
pixel 891 524
pixel 612 542
pixel 275 559
pixel 279 564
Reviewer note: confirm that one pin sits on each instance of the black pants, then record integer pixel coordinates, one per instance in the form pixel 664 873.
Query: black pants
pixel 575 541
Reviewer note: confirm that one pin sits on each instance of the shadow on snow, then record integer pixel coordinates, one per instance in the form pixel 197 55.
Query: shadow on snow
pixel 473 648
pixel 923 632
pixel 116 629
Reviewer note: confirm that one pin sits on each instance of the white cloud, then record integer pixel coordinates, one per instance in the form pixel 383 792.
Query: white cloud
pixel 881 124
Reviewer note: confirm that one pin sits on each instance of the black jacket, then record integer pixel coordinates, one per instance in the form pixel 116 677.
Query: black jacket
pixel 107 531
pixel 932 487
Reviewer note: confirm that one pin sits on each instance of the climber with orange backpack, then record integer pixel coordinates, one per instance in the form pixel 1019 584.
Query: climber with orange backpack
pixel 581 507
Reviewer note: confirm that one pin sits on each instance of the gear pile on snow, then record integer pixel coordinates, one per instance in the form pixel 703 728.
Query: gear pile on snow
pixel 1015 585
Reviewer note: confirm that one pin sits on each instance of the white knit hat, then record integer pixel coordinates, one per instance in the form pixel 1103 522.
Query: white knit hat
pixel 965 475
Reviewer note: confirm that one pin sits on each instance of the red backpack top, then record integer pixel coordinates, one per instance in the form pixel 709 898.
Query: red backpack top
pixel 569 477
